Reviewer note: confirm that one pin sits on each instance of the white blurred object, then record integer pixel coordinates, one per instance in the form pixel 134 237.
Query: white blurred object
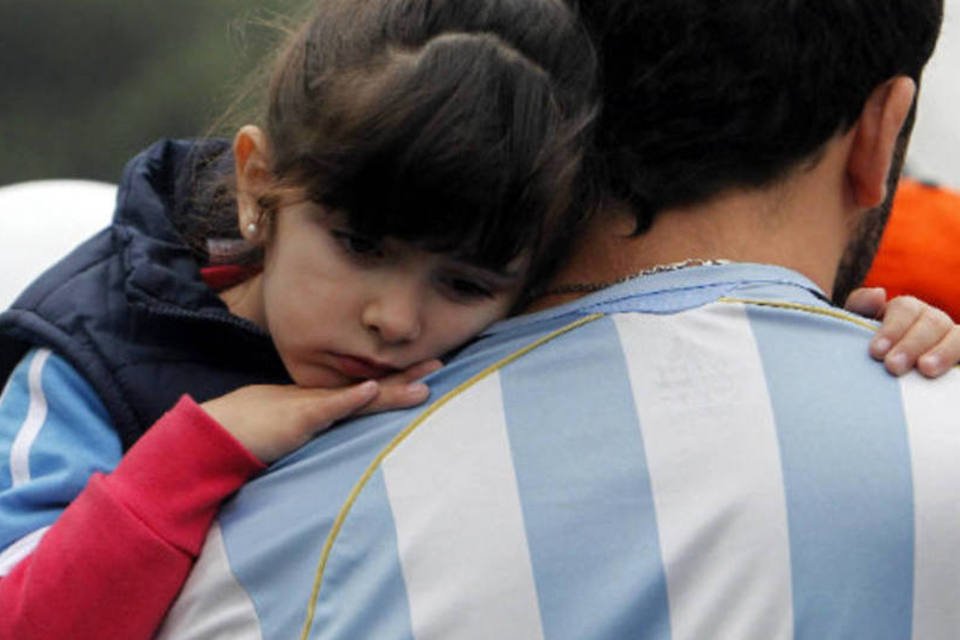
pixel 41 221
pixel 935 148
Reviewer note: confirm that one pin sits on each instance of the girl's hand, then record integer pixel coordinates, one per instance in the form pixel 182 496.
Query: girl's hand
pixel 913 332
pixel 274 420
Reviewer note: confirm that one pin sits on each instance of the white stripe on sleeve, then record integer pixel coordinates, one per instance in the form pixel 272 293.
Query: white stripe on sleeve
pixel 19 550
pixel 36 415
pixel 934 432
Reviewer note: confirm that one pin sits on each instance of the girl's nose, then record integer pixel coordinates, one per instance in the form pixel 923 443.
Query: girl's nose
pixel 394 316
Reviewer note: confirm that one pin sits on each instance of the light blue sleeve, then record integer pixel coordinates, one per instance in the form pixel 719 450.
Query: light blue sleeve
pixel 54 433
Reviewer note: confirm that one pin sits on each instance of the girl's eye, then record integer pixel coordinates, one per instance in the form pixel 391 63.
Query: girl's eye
pixel 357 245
pixel 467 289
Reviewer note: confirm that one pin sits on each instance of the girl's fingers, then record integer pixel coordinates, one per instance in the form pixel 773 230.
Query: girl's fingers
pixel 898 316
pixel 403 389
pixel 913 333
pixel 397 394
pixel 272 421
pixel 943 357
pixel 931 333
pixel 868 302
pixel 419 370
pixel 323 407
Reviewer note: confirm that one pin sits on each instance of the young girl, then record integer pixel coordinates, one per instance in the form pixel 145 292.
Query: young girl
pixel 415 171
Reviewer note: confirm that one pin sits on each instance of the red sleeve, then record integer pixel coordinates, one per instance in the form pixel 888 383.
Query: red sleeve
pixel 116 558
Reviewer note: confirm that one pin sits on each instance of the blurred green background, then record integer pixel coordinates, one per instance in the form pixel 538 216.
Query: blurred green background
pixel 85 84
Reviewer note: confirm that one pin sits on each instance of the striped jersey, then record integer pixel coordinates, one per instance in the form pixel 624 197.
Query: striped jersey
pixel 703 453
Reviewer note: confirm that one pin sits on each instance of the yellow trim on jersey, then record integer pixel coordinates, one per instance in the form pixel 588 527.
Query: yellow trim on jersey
pixel 809 308
pixel 820 311
pixel 398 439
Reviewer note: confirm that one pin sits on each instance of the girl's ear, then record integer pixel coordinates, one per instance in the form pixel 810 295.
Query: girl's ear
pixel 875 141
pixel 252 167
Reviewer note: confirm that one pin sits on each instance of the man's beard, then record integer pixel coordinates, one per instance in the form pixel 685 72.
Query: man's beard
pixel 860 251
pixel 858 256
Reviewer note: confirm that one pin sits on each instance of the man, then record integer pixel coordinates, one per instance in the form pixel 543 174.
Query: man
pixel 687 439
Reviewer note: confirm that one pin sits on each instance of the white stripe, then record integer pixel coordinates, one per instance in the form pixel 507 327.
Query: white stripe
pixel 212 604
pixel 19 550
pixel 715 471
pixel 30 429
pixel 934 431
pixel 463 550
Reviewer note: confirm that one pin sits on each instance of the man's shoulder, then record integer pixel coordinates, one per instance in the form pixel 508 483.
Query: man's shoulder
pixel 552 424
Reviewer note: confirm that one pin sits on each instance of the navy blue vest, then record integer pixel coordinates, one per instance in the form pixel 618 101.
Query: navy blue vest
pixel 129 310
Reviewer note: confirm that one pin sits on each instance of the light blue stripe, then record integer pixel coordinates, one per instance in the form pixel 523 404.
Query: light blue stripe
pixel 365 569
pixel 77 438
pixel 275 528
pixel 846 467
pixel 585 490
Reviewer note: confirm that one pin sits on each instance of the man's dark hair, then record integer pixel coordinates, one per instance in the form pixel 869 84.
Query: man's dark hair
pixel 704 95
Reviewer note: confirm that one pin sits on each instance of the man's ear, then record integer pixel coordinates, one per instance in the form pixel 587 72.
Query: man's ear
pixel 252 166
pixel 875 140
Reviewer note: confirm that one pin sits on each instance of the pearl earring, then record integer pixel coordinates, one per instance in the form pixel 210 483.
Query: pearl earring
pixel 252 228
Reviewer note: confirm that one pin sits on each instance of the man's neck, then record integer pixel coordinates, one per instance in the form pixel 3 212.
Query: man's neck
pixel 803 223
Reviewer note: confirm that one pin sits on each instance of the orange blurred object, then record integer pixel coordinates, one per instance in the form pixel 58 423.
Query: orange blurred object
pixel 919 253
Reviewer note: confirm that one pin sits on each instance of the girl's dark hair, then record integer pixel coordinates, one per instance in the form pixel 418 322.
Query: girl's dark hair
pixel 454 124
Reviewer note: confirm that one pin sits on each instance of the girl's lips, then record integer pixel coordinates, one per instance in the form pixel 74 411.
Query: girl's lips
pixel 361 367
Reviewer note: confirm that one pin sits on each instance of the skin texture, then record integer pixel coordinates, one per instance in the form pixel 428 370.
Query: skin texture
pixel 341 307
